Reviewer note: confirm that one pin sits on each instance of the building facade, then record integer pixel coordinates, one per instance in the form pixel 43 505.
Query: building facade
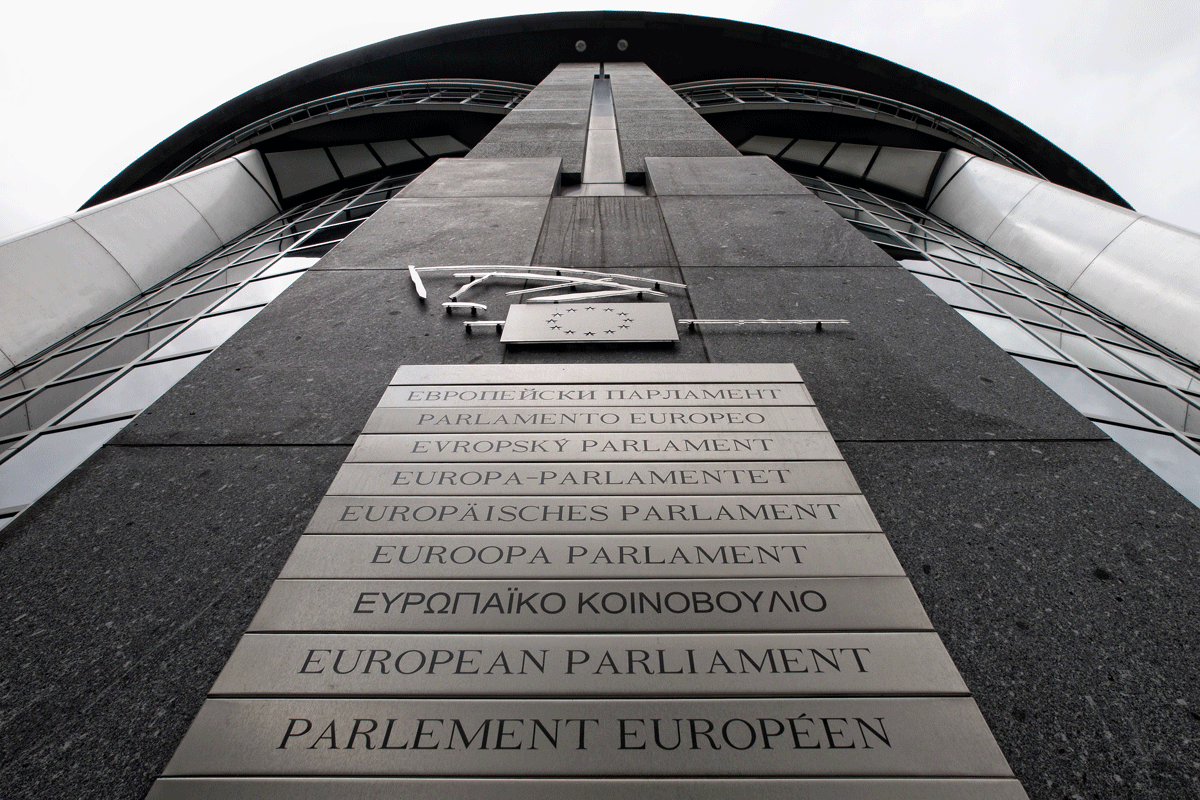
pixel 1012 379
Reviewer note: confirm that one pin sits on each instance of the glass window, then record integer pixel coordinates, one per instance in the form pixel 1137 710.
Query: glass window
pixel 1164 404
pixel 1171 459
pixel 289 264
pixel 136 389
pixel 1020 307
pixel 257 292
pixel 1086 395
pixel 52 367
pixel 1160 369
pixel 207 333
pixel 1009 335
pixel 48 459
pixel 921 265
pixel 955 293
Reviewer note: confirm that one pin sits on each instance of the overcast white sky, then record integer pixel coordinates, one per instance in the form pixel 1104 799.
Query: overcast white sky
pixel 88 87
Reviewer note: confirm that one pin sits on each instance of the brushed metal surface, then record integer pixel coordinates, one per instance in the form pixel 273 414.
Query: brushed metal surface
pixel 594 419
pixel 672 477
pixel 833 737
pixel 492 374
pixel 637 394
pixel 586 789
pixel 809 513
pixel 517 447
pixel 1057 233
pixel 545 665
pixel 659 606
pixel 587 557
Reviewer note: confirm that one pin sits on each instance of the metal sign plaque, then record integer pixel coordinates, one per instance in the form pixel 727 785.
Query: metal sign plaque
pixel 930 736
pixel 593 420
pixel 817 555
pixel 589 447
pixel 593 396
pixel 589 322
pixel 725 477
pixel 589 575
pixel 595 665
pixel 653 606
pixel 809 513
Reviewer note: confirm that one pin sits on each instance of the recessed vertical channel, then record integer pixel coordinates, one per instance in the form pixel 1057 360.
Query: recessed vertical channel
pixel 602 158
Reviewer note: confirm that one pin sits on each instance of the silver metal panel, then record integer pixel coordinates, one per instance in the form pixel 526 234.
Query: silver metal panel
pixel 585 789
pixel 658 606
pixel 951 164
pixel 227 197
pixel 52 281
pixel 642 665
pixel 1057 232
pixel 590 395
pixel 980 196
pixel 424 374
pixel 815 555
pixel 179 233
pixel 567 514
pixel 703 478
pixel 594 322
pixel 832 737
pixel 1147 278
pixel 595 420
pixel 754 446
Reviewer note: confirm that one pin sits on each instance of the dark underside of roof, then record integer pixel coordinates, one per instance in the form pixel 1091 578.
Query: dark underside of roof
pixel 679 48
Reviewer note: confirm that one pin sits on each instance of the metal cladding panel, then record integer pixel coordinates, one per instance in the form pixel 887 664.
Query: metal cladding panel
pixel 51 282
pixel 152 234
pixel 228 198
pixel 1057 232
pixel 1149 278
pixel 981 195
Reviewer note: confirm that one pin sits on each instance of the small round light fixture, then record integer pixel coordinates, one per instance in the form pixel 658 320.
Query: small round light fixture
pixel 581 45
pixel 622 45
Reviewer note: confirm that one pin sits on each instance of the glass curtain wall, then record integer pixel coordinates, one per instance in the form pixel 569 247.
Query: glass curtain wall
pixel 59 407
pixel 1142 395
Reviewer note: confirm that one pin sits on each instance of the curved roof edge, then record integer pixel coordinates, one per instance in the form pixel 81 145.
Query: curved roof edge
pixel 679 48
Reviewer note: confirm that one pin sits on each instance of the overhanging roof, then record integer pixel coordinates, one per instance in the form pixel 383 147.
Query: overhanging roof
pixel 679 48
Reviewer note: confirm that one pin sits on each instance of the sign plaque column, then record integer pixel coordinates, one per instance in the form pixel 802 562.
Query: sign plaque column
pixel 527 581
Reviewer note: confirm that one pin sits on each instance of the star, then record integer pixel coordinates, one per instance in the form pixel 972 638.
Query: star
pixel 610 331
pixel 555 327
pixel 590 333
pixel 608 309
pixel 572 310
pixel 624 326
pixel 590 308
pixel 556 314
pixel 569 333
